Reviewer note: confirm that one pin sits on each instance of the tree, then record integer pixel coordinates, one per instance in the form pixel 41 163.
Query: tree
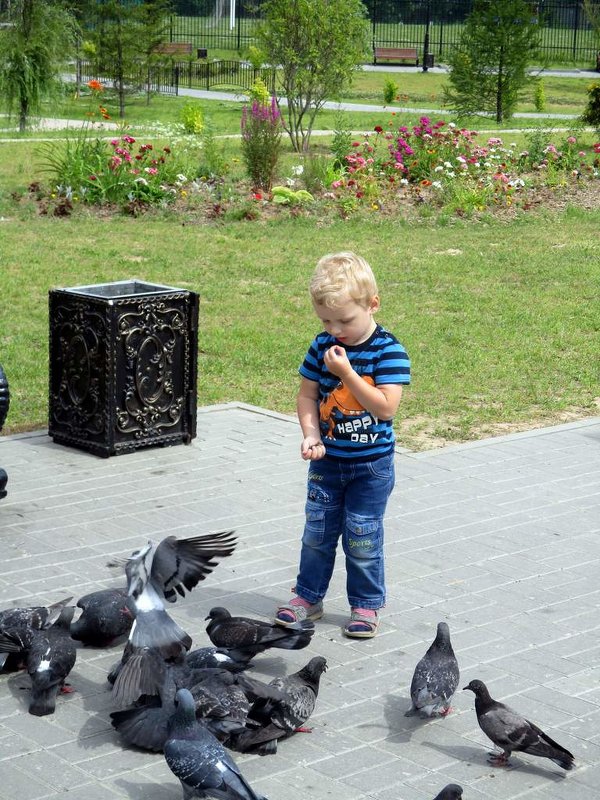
pixel 125 34
pixel 317 45
pixel 489 64
pixel 33 50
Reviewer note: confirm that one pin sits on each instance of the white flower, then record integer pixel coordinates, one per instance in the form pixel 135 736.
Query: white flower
pixel 448 165
pixel 181 178
pixel 143 181
pixel 438 169
pixel 403 182
pixel 451 174
pixel 436 184
pixel 297 170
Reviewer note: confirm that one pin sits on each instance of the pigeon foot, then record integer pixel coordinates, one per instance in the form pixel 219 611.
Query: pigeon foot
pixel 498 760
pixel 303 730
pixel 67 689
pixel 444 712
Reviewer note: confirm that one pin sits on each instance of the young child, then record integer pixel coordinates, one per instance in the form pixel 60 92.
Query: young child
pixel 351 385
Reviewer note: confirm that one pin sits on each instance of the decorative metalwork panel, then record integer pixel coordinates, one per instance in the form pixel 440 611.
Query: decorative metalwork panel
pixel 122 368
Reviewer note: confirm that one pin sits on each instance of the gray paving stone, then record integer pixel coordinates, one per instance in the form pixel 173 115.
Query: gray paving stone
pixel 498 537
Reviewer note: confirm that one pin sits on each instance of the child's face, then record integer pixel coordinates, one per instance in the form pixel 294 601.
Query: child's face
pixel 349 322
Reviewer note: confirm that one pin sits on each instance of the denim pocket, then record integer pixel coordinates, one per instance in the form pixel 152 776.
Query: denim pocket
pixel 314 528
pixel 383 467
pixel 363 536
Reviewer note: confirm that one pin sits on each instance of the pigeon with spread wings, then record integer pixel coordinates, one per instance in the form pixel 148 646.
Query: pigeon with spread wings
pixel 155 574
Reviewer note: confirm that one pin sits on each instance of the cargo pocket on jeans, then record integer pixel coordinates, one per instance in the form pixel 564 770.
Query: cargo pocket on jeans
pixel 363 536
pixel 314 528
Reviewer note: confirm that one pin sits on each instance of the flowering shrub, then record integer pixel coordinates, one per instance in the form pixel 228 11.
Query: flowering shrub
pixel 439 157
pixel 117 172
pixel 261 141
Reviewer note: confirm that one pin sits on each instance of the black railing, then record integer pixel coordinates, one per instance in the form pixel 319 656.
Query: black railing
pixel 566 32
pixel 169 77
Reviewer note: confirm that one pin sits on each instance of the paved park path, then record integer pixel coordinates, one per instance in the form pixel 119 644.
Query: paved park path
pixel 500 538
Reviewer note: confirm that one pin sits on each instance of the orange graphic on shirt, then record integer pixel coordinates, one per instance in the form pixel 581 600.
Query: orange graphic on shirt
pixel 339 403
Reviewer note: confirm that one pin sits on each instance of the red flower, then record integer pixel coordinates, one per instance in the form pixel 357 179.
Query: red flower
pixel 378 129
pixel 95 85
pixel 257 196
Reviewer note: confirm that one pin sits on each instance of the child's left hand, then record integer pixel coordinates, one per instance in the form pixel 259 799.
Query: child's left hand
pixel 337 361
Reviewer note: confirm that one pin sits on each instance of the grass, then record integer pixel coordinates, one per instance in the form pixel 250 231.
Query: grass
pixel 499 335
pixel 499 317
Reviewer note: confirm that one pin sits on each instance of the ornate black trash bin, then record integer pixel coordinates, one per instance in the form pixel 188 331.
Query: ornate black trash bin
pixel 123 366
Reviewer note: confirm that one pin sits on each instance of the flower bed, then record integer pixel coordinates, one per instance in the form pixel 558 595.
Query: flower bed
pixel 434 165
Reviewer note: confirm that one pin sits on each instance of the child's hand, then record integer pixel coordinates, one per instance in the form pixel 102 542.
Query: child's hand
pixel 337 361
pixel 312 449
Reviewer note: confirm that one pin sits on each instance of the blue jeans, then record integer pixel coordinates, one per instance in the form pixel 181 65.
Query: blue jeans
pixel 346 500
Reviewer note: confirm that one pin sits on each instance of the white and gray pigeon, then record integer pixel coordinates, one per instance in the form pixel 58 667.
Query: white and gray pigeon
pixel 36 617
pixel 155 574
pixel 435 677
pixel 450 792
pixel 199 760
pixel 511 732
pixel 50 656
pixel 281 717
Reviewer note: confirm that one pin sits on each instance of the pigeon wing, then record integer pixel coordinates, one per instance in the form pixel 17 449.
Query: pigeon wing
pixel 179 564
pixel 504 727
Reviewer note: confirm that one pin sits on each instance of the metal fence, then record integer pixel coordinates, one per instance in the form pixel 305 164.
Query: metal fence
pixel 167 78
pixel 566 33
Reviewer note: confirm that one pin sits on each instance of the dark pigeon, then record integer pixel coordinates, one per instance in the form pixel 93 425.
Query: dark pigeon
pixel 199 760
pixel 435 678
pixel 50 656
pixel 222 657
pixel 36 617
pixel 221 697
pixel 106 615
pixel 243 635
pixel 509 731
pixel 279 718
pixel 450 792
pixel 155 574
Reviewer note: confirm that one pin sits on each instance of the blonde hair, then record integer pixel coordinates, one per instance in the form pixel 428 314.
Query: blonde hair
pixel 338 276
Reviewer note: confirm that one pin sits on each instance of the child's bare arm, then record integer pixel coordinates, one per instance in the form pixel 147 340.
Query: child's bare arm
pixel 307 405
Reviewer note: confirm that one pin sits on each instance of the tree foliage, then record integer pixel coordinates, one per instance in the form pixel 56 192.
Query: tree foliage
pixel 124 35
pixel 318 44
pixel 489 64
pixel 33 51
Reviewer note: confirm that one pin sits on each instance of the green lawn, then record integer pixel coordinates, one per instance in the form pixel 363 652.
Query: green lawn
pixel 500 316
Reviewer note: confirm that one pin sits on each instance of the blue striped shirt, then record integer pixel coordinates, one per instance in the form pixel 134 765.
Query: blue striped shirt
pixel 347 429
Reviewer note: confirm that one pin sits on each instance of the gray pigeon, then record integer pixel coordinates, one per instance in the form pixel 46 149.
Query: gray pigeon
pixel 199 760
pixel 106 615
pixel 279 718
pixel 50 656
pixel 155 574
pixel 450 792
pixel 248 636
pixel 435 678
pixel 509 731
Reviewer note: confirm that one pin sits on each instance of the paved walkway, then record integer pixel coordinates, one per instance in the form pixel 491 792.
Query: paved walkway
pixel 500 538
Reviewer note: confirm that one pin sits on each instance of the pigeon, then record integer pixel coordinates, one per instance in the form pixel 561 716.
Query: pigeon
pixel 280 718
pixel 450 792
pixel 106 615
pixel 155 574
pixel 435 678
pixel 232 660
pixel 218 696
pixel 50 656
pixel 242 635
pixel 509 731
pixel 199 760
pixel 37 617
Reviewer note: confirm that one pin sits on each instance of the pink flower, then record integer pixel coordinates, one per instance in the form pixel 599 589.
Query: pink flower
pixel 151 170
pixel 129 139
pixel 571 140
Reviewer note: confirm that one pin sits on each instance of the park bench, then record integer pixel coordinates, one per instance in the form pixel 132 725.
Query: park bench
pixel 396 54
pixel 174 49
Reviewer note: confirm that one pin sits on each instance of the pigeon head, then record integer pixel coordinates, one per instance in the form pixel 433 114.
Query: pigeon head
pixel 185 710
pixel 218 612
pixel 138 568
pixel 478 687
pixel 450 792
pixel 442 638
